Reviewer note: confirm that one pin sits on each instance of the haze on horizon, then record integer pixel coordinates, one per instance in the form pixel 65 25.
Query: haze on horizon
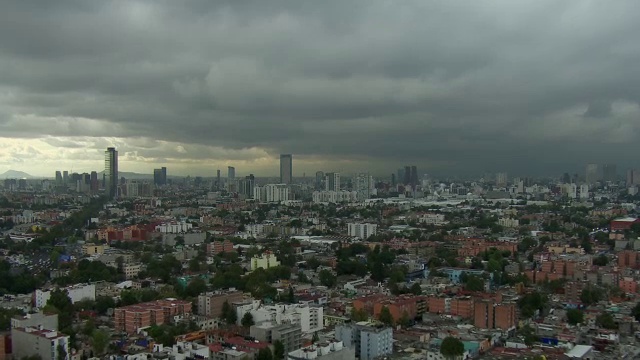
pixel 527 87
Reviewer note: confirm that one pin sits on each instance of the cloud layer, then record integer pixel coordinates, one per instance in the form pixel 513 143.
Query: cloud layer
pixel 529 87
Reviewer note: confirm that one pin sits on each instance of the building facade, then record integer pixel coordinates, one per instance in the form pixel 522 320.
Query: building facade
pixel 286 169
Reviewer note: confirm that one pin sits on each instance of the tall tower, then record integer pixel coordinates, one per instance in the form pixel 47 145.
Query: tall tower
pixel 111 172
pixel 286 169
pixel 231 173
pixel 332 182
pixel 592 173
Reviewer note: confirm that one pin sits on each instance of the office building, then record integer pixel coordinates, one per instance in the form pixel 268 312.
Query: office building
pixel 609 172
pixel 246 186
pixel 319 184
pixel 633 177
pixel 95 184
pixel 160 176
pixel 35 342
pixel 231 173
pixel 289 334
pixel 111 172
pixel 218 184
pixel 65 177
pixel 286 169
pixel 413 179
pixel 332 181
pixel 369 341
pixel 501 179
pixel 592 174
pixel 363 186
pixel 133 317
pixel 407 175
pixel 362 230
pixel 210 304
pixel 58 178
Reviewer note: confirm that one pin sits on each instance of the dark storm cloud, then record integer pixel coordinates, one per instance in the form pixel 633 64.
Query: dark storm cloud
pixel 525 86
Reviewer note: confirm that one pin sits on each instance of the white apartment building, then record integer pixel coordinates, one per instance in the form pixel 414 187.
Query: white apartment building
pixel 264 261
pixel 254 230
pixel 76 293
pixel 584 191
pixel 334 196
pixel 362 230
pixel 271 193
pixel 509 222
pixel 431 218
pixel 363 186
pixel 175 227
pixel 27 342
pixel 309 317
pixel 131 270
pixel 330 350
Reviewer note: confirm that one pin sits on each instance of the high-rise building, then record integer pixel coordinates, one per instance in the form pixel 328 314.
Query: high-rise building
pixel 400 177
pixel 501 179
pixel 94 182
pixel 231 173
pixel 247 185
pixel 362 185
pixel 286 169
pixel 65 177
pixel 332 181
pixel 111 172
pixel 218 184
pixel 609 172
pixel 592 174
pixel 407 175
pixel 414 176
pixel 58 177
pixel 633 177
pixel 319 180
pixel 160 176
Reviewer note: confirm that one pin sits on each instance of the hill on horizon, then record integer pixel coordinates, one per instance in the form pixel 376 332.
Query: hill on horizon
pixel 15 174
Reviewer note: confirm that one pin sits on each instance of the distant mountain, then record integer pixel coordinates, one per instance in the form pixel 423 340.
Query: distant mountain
pixel 129 175
pixel 15 174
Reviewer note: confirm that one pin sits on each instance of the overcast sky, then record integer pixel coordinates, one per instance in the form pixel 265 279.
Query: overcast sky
pixel 455 87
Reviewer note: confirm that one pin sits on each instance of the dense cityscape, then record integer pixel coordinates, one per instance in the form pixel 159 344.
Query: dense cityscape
pixel 334 266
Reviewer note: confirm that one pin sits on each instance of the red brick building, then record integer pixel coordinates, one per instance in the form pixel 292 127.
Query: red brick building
pixel 218 247
pixel 131 318
pixel 488 315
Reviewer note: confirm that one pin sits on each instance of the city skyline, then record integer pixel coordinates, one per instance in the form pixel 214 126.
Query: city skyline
pixel 558 92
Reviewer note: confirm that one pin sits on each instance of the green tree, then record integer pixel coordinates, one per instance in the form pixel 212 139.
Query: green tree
pixel 89 327
pixel 196 286
pixel 385 316
pixel 264 354
pixel 291 297
pixel 451 348
pixel 601 260
pixel 474 283
pixel 635 312
pixel 359 315
pixel 278 350
pixel 606 321
pixel 99 341
pixel 62 353
pixel 61 304
pixel 228 313
pixel 416 289
pixel 104 303
pixel 327 278
pixel 575 316
pixel 247 320
pixel 591 295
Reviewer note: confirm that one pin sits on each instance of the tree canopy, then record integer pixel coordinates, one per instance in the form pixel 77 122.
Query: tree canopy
pixel 451 347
